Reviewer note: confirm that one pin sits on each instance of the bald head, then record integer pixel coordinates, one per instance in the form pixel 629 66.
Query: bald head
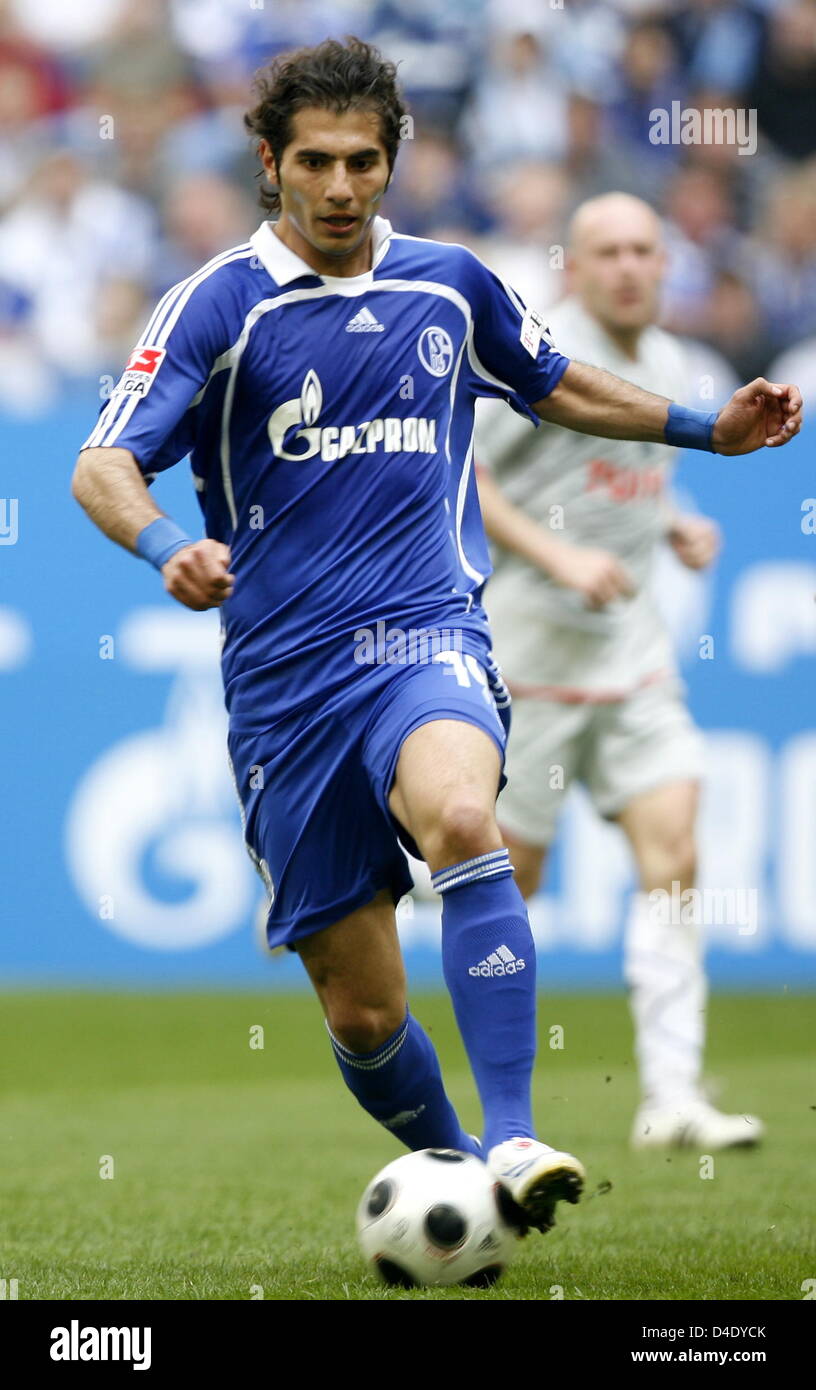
pixel 611 211
pixel 616 260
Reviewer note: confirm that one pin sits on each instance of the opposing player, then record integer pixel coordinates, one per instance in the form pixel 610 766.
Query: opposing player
pixel 588 660
pixel 323 377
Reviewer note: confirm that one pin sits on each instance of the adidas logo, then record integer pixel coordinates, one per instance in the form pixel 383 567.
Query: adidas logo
pixel 499 962
pixel 364 322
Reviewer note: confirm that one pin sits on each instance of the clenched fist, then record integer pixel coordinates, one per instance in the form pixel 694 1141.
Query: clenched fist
pixel 597 575
pixel 198 576
pixel 695 540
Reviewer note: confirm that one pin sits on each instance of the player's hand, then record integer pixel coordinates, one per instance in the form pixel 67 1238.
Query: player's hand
pixel 597 575
pixel 198 576
pixel 695 540
pixel 761 413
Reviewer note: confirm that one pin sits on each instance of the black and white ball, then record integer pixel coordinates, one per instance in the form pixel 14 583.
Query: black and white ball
pixel 435 1217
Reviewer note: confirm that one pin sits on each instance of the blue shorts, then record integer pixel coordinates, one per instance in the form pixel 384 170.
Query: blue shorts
pixel 314 787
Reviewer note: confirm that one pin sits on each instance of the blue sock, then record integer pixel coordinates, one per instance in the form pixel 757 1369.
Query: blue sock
pixel 488 958
pixel 400 1085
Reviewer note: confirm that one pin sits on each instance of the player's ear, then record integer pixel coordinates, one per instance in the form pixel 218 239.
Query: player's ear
pixel 267 158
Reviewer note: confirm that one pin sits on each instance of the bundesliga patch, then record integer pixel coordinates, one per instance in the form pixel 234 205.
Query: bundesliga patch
pixel 533 329
pixel 140 371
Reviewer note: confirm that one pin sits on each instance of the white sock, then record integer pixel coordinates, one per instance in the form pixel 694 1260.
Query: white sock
pixel 663 968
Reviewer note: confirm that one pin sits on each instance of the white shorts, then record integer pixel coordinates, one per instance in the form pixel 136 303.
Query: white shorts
pixel 617 750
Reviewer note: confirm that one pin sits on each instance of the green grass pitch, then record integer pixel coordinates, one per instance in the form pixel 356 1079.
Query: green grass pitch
pixel 238 1169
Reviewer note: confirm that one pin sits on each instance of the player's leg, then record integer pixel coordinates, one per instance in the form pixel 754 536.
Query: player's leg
pixel 385 1056
pixel 663 964
pixel 543 758
pixel 528 862
pixel 444 792
pixel 647 761
pixel 326 848
pixel 666 977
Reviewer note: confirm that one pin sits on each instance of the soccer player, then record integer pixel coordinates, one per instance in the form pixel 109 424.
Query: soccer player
pixel 323 377
pixel 588 661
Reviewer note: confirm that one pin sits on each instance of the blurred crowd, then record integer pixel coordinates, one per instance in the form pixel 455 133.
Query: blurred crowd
pixel 124 164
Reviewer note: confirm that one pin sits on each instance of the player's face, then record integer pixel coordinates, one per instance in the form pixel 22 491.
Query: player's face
pixel 617 269
pixel 332 176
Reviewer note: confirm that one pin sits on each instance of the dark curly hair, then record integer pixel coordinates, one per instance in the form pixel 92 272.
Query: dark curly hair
pixel 332 75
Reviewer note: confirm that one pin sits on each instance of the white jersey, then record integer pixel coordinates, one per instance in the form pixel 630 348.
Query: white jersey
pixel 604 493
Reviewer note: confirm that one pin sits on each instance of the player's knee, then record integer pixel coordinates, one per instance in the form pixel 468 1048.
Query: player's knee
pixel 364 1028
pixel 463 827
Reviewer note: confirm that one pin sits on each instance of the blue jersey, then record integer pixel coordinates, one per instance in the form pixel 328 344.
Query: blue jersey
pixel 330 426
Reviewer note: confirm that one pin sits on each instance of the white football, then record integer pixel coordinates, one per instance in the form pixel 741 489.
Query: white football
pixel 435 1217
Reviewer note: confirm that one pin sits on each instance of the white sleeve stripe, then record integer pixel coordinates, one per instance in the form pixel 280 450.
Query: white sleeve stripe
pixel 113 432
pixel 191 285
pixel 120 409
pixel 167 300
pixel 105 420
pixel 512 296
pixel 169 297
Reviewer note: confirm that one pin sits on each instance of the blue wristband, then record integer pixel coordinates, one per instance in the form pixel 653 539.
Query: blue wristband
pixel 159 540
pixel 690 429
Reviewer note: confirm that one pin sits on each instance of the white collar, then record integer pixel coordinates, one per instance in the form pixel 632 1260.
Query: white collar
pixel 283 265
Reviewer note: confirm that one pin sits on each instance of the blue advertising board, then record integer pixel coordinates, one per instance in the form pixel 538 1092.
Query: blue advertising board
pixel 122 856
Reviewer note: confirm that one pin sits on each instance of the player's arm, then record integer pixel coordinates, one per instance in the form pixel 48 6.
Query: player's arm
pixel 111 489
pixel 109 486
pixel 593 401
pixel 148 424
pixel 595 574
pixel 512 348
